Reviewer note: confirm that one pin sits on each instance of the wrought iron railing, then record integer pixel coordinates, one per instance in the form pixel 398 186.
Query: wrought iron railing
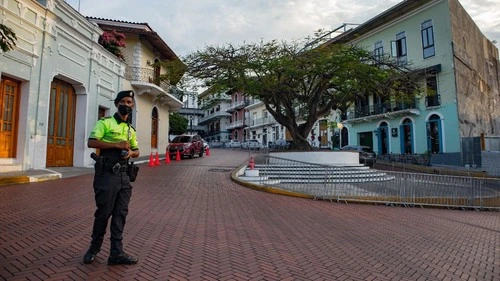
pixel 434 100
pixel 381 108
pixel 146 75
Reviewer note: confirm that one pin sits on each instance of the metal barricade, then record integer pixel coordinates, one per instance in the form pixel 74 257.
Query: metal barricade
pixel 360 184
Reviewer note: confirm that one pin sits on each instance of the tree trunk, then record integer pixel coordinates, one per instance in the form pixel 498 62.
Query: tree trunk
pixel 299 141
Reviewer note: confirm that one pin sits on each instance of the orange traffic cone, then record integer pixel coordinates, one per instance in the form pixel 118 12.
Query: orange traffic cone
pixel 157 163
pixel 251 163
pixel 178 156
pixel 167 157
pixel 208 151
pixel 151 161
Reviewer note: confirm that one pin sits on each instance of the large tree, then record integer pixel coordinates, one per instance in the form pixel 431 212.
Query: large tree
pixel 299 85
pixel 177 124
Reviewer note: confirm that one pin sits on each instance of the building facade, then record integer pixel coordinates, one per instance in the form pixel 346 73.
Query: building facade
pixel 55 85
pixel 461 84
pixel 216 116
pixel 145 54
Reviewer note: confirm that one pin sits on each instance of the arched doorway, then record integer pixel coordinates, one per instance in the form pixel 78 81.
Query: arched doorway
pixel 383 138
pixel 344 137
pixel 406 136
pixel 154 128
pixel 434 135
pixel 9 108
pixel 61 126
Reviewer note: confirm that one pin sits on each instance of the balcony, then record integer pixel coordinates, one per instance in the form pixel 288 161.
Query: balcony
pixel 238 105
pixel 382 110
pixel 261 122
pixel 190 111
pixel 434 100
pixel 215 114
pixel 146 81
pixel 236 125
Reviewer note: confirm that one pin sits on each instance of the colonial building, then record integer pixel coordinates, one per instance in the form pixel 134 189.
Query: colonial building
pixel 191 111
pixel 144 54
pixel 59 80
pixel 239 116
pixel 461 97
pixel 215 117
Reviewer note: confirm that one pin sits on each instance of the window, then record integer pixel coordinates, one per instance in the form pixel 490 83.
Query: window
pixel 432 98
pixel 398 48
pixel 378 50
pixel 428 39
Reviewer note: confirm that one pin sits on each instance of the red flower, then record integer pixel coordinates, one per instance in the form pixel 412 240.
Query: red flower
pixel 113 41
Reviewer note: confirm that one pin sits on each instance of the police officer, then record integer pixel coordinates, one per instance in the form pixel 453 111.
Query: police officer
pixel 117 141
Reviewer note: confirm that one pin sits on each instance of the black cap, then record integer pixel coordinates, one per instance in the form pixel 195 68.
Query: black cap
pixel 124 94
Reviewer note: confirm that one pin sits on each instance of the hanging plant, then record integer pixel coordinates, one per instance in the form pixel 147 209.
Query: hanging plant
pixel 113 41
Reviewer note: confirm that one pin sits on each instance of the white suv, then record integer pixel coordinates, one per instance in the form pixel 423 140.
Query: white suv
pixel 251 144
pixel 233 144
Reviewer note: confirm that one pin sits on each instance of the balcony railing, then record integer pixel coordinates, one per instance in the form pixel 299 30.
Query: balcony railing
pixel 146 75
pixel 215 114
pixel 236 124
pixel 381 108
pixel 238 105
pixel 434 100
pixel 262 121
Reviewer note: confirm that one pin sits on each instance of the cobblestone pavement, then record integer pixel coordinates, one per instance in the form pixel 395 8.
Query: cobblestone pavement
pixel 189 221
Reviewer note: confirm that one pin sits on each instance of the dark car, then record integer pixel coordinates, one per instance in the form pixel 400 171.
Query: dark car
pixel 187 145
pixel 366 155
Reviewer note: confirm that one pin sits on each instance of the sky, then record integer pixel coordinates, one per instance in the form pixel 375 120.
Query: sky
pixel 191 25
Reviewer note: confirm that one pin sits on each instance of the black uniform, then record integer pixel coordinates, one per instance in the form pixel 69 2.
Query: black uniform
pixel 112 188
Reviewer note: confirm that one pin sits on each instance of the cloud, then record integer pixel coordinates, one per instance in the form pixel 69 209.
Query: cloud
pixel 189 25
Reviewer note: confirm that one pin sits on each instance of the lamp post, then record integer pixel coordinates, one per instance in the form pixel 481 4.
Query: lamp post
pixel 340 126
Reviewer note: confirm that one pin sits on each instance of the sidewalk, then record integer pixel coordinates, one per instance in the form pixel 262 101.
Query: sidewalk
pixel 53 173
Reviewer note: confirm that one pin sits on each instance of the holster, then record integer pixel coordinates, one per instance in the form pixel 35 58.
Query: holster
pixel 99 166
pixel 132 171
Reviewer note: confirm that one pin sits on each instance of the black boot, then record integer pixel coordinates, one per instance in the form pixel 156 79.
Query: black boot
pixel 122 259
pixel 91 254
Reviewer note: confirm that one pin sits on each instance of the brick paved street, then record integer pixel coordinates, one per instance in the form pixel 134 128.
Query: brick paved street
pixel 189 221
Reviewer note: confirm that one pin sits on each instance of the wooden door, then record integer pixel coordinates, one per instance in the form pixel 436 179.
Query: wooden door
pixel 61 125
pixel 9 102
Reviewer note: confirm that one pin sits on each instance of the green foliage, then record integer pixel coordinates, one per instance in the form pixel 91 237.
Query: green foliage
pixel 177 123
pixel 287 76
pixel 7 38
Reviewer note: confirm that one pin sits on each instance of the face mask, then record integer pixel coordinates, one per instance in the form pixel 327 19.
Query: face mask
pixel 124 110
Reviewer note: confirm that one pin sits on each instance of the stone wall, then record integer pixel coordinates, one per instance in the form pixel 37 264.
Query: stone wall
pixel 476 65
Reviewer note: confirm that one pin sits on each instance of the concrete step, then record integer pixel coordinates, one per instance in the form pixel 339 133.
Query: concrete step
pixel 259 180
pixel 320 174
pixel 303 167
pixel 350 173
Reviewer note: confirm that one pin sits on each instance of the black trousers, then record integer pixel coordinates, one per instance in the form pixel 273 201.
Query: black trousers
pixel 112 196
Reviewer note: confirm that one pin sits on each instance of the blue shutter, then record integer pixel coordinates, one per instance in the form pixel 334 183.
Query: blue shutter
pixel 428 130
pixel 440 134
pixel 379 141
pixel 401 139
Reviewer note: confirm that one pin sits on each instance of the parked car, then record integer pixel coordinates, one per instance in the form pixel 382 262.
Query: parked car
pixel 233 144
pixel 187 145
pixel 366 155
pixel 280 144
pixel 251 144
